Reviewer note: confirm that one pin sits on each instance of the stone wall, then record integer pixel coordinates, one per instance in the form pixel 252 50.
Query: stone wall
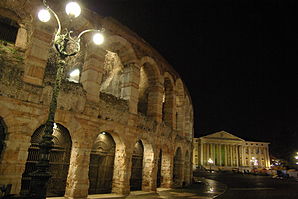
pixel 113 79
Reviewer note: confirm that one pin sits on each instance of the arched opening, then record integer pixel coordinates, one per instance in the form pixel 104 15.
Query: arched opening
pixel 8 29
pixel 59 160
pixel 159 178
pixel 101 165
pixel 178 168
pixel 137 167
pixel 147 91
pixel 2 135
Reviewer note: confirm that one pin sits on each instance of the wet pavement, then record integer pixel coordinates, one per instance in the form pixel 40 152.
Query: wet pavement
pixel 202 189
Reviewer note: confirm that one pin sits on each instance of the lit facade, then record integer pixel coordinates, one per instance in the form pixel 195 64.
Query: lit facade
pixel 229 152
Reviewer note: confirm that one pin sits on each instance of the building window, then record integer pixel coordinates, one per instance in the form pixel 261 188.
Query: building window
pixel 8 30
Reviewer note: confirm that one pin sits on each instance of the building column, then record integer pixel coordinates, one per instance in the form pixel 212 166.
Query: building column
pixel 78 180
pixel 220 155
pixel 237 156
pixel 207 154
pixel 268 157
pixel 202 153
pixel 226 155
pixel 14 159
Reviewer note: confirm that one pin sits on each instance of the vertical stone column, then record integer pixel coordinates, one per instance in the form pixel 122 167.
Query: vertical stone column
pixel 92 71
pixel 37 54
pixel 149 171
pixel 155 103
pixel 267 157
pixel 21 40
pixel 129 90
pixel 202 153
pixel 77 180
pixel 14 159
pixel 237 156
pixel 226 155
pixel 249 156
pixel 208 149
pixel 122 171
pixel 220 154
pixel 167 170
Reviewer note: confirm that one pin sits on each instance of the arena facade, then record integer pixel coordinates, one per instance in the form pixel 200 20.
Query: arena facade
pixel 124 120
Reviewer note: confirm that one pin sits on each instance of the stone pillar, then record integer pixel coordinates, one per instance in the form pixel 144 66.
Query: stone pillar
pixel 202 153
pixel 92 71
pixel 267 157
pixel 37 54
pixel 167 170
pixel 207 156
pixel 129 90
pixel 226 155
pixel 14 158
pixel 237 156
pixel 77 180
pixel 155 103
pixel 122 171
pixel 21 40
pixel 220 155
pixel 149 171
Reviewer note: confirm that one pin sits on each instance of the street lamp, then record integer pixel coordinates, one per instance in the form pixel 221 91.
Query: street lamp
pixel 210 161
pixel 66 46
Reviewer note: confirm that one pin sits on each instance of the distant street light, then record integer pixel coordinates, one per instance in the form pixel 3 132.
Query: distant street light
pixel 210 161
pixel 66 46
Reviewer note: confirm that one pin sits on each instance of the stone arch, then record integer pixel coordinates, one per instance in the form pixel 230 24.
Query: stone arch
pixel 180 102
pixel 15 25
pixel 187 169
pixel 120 72
pixel 178 168
pixel 16 143
pixel 136 178
pixel 149 88
pixel 121 47
pixel 101 165
pixel 59 160
pixel 168 111
pixel 3 133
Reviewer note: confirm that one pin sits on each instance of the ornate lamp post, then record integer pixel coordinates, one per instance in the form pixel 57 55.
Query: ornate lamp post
pixel 66 46
pixel 210 161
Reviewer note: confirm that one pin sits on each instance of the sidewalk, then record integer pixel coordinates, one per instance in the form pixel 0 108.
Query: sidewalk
pixel 202 189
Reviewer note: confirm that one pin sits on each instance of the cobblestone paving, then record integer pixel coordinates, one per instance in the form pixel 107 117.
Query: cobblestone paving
pixel 203 189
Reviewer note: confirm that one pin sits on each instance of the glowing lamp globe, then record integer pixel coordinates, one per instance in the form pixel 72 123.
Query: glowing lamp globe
pixel 73 9
pixel 44 15
pixel 98 38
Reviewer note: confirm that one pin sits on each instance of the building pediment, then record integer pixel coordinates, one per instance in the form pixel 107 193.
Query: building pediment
pixel 222 135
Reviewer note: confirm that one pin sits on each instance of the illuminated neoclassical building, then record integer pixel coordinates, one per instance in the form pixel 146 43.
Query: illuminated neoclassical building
pixel 225 151
pixel 124 119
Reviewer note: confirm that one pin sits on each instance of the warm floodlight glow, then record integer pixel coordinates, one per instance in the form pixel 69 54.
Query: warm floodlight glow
pixel 98 38
pixel 73 9
pixel 74 76
pixel 44 15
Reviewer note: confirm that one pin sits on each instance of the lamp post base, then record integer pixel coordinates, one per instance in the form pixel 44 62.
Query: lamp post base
pixel 38 184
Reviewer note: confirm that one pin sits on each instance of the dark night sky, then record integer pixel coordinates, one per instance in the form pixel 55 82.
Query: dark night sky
pixel 238 59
